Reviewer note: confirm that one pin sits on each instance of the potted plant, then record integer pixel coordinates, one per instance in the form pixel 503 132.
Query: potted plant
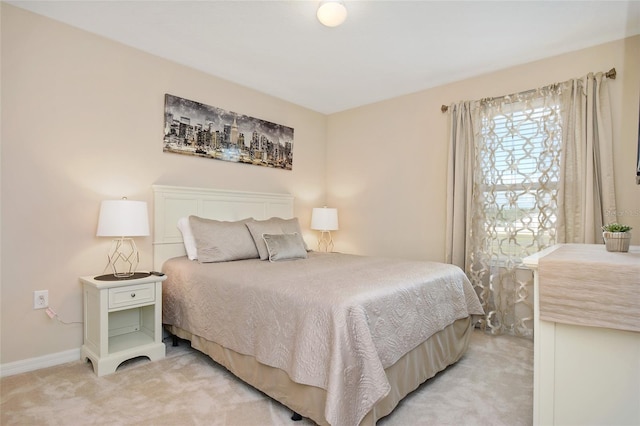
pixel 616 237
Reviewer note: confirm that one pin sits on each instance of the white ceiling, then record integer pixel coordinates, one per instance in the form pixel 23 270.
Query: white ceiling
pixel 384 49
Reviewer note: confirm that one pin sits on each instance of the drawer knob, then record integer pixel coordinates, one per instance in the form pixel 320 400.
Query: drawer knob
pixel 133 295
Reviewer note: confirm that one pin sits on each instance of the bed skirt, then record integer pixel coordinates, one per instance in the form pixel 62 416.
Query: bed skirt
pixel 435 354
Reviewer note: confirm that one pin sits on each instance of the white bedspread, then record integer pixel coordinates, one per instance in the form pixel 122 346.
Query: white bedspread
pixel 334 321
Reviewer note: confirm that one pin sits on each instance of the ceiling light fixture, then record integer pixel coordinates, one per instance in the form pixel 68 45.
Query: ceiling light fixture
pixel 331 13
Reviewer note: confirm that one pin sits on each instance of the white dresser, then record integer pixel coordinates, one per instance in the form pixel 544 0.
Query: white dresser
pixel 586 336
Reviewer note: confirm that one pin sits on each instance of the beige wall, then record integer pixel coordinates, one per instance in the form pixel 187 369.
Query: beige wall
pixel 82 121
pixel 387 162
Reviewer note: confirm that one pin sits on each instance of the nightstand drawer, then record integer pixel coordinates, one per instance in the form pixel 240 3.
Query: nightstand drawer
pixel 131 295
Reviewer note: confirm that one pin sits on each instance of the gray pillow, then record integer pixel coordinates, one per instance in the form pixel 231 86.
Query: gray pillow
pixel 259 227
pixel 275 225
pixel 219 241
pixel 290 226
pixel 285 246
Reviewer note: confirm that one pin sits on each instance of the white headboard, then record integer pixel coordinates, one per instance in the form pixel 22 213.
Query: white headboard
pixel 173 202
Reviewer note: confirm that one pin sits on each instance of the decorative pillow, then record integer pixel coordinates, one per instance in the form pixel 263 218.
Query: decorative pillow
pixel 259 227
pixel 285 246
pixel 219 241
pixel 290 226
pixel 187 238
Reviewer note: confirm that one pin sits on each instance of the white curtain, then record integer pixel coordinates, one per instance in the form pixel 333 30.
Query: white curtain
pixel 525 171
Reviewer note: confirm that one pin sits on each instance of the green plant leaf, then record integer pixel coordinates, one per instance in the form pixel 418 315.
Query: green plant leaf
pixel 616 227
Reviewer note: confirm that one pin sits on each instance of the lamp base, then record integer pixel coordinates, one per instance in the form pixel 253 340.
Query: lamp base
pixel 325 241
pixel 123 257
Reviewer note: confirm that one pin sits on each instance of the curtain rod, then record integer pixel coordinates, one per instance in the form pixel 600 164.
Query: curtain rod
pixel 609 74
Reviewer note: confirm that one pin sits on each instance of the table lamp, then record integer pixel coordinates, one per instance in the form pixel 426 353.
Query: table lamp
pixel 325 220
pixel 123 219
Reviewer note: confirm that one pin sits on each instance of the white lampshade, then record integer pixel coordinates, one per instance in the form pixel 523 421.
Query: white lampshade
pixel 123 218
pixel 324 219
pixel 331 13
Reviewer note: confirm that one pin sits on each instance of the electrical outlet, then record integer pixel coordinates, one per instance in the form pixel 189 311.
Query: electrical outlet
pixel 40 299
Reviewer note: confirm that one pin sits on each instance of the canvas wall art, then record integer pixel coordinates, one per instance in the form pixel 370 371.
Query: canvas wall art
pixel 192 128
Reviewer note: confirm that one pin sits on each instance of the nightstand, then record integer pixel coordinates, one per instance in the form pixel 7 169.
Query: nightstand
pixel 122 320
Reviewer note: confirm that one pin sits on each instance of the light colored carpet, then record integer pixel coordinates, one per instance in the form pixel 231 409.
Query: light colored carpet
pixel 491 385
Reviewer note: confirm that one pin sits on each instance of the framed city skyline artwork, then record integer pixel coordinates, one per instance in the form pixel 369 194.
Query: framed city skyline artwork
pixel 193 128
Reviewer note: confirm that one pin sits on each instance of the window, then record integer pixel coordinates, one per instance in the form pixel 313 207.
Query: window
pixel 526 171
pixel 518 164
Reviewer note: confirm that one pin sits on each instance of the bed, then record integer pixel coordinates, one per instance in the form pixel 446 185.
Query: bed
pixel 337 338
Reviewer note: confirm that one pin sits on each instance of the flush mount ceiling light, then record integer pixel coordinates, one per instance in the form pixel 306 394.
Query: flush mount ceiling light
pixel 331 13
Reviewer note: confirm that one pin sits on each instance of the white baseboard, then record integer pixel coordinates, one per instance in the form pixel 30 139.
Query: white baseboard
pixel 31 364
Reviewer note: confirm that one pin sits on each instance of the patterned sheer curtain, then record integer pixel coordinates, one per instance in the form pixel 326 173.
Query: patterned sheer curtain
pixel 516 164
